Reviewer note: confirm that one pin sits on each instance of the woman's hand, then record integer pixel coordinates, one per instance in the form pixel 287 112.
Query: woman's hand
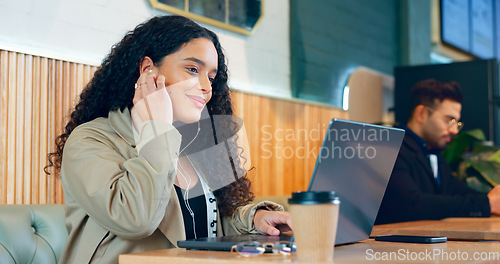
pixel 494 198
pixel 151 99
pixel 272 222
pixel 147 84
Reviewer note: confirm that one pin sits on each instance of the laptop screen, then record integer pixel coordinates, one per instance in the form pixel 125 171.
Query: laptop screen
pixel 356 161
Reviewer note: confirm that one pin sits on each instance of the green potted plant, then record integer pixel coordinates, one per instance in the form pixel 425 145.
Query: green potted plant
pixel 474 160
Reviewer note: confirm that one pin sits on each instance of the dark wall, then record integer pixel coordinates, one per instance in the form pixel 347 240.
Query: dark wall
pixel 330 38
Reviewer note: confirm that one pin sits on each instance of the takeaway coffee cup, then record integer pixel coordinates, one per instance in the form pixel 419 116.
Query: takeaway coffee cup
pixel 314 219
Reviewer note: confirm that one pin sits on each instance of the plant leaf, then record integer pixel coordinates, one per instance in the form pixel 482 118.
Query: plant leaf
pixel 460 144
pixel 476 133
pixel 495 157
pixel 478 184
pixel 488 169
pixel 480 147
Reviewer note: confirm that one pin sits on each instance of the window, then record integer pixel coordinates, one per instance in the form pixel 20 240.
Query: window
pixel 240 16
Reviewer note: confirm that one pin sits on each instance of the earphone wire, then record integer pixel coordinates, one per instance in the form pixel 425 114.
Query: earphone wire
pixel 186 192
pixel 195 136
pixel 186 198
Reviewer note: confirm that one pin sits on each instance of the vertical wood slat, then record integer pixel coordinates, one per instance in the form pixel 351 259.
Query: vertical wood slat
pixel 50 129
pixel 57 95
pixel 11 133
pixel 28 143
pixel 35 136
pixel 45 124
pixel 19 180
pixel 4 78
pixel 36 95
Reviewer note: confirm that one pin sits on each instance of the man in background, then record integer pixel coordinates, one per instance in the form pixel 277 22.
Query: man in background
pixel 422 186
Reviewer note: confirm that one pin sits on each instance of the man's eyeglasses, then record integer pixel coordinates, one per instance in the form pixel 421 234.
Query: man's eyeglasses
pixel 251 249
pixel 451 123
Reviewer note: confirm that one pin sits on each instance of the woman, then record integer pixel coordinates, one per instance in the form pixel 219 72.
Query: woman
pixel 125 173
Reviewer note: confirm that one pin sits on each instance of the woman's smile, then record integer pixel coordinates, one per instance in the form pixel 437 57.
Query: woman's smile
pixel 198 100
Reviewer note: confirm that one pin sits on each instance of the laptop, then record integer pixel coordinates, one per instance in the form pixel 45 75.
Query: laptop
pixel 356 161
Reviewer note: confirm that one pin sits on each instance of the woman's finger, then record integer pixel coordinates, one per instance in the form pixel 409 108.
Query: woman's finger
pixel 272 231
pixel 150 86
pixel 141 86
pixel 160 82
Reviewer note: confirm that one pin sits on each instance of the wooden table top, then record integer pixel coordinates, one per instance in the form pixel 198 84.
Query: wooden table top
pixel 470 240
pixel 453 228
pixel 367 251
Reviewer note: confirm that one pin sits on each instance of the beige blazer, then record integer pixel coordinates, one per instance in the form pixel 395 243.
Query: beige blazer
pixel 121 202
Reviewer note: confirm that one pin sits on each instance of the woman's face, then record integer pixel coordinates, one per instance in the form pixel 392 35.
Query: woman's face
pixel 189 73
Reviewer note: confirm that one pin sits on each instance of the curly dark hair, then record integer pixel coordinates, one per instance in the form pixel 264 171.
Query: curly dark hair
pixel 431 91
pixel 112 88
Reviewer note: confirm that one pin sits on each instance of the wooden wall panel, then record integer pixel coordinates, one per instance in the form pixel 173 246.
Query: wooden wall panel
pixel 284 138
pixel 37 93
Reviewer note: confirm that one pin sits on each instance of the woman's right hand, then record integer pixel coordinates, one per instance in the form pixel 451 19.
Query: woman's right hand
pixel 151 99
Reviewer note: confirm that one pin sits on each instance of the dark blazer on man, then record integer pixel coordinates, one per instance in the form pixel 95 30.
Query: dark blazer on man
pixel 414 194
